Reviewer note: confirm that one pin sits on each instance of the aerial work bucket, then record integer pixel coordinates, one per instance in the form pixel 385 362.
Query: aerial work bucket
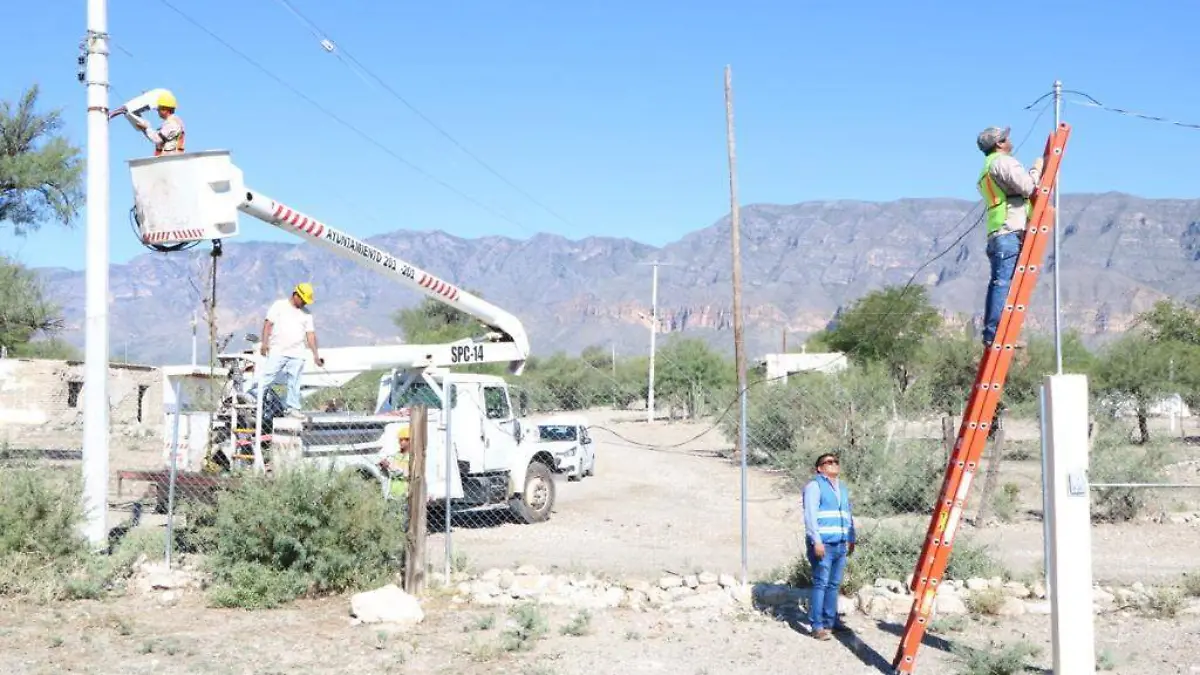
pixel 186 197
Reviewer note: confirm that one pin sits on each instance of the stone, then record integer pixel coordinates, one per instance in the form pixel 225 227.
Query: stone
pixel 707 588
pixel 710 599
pixel 976 584
pixel 388 604
pixel 1037 607
pixel 691 581
pixel 900 604
pixel 1103 597
pixel 529 586
pixel 845 605
pixel 482 587
pixel 995 582
pixel 638 585
pixel 1038 590
pixel 506 579
pixel 492 574
pixel 676 592
pixel 527 571
pixel 1016 589
pixel 949 603
pixel 670 581
pixel 708 578
pixel 637 598
pixel 727 580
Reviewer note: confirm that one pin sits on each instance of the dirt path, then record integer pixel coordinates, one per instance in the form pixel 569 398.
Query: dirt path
pixel 645 511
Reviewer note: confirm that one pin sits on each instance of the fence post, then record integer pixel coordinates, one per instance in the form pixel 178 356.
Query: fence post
pixel 414 554
pixel 989 478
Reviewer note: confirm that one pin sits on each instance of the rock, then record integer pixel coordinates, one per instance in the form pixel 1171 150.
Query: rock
pixel 492 574
pixel 1037 607
pixel 727 580
pixel 677 592
pixel 670 581
pixel 1191 607
pixel 1038 590
pixel 691 581
pixel 900 604
pixel 637 598
pixel 845 605
pixel 156 576
pixel 527 571
pixel 1103 597
pixel 707 578
pixel 1016 589
pixel 169 598
pixel 976 584
pixel 529 586
pixel 995 582
pixel 388 605
pixel 711 599
pixel 708 588
pixel 949 603
pixel 506 579
pixel 1010 606
pixel 638 585
pixel 482 587
pixel 742 593
pixel 1138 587
pixel 891 585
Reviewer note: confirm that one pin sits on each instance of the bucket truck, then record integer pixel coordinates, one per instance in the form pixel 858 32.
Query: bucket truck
pixel 198 196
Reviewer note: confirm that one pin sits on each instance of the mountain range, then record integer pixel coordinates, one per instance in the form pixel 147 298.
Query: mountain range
pixel 801 263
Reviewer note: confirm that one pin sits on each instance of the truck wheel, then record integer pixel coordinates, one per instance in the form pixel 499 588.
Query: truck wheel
pixel 534 503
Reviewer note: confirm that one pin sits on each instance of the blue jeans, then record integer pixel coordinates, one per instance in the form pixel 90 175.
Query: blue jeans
pixel 826 580
pixel 1002 252
pixel 289 367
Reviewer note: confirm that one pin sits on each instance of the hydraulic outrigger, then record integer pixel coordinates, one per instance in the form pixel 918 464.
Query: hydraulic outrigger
pixel 981 409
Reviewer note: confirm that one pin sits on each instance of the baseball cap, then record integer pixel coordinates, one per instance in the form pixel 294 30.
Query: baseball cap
pixel 989 137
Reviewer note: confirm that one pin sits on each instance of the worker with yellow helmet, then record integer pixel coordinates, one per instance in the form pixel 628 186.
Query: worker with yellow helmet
pixel 396 468
pixel 169 138
pixel 288 332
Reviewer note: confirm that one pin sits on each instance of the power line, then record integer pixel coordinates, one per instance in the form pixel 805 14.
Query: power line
pixel 332 115
pixel 1093 103
pixel 356 66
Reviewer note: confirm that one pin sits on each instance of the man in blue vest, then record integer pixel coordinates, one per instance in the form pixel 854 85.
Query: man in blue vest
pixel 829 540
pixel 1006 189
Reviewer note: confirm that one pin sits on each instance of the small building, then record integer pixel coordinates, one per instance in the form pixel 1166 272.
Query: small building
pixel 35 392
pixel 779 366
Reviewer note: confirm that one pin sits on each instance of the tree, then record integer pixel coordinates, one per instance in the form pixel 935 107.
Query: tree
pixel 434 322
pixel 690 373
pixel 40 171
pixel 1138 369
pixel 1169 321
pixel 887 326
pixel 25 312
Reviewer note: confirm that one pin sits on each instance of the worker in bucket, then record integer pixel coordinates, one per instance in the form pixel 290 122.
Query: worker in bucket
pixel 1006 188
pixel 288 332
pixel 167 139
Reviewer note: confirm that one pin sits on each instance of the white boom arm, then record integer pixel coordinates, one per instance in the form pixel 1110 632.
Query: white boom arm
pixel 196 196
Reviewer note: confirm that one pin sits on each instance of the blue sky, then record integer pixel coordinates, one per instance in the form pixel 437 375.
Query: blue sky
pixel 611 113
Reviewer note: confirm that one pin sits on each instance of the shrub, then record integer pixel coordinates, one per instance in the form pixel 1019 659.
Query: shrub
pixel 304 532
pixel 1113 460
pixel 42 553
pixel 1004 660
pixel 888 552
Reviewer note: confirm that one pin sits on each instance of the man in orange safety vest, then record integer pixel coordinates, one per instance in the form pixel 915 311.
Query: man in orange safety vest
pixel 168 139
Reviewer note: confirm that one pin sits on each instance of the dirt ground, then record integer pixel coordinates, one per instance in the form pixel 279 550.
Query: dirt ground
pixel 135 635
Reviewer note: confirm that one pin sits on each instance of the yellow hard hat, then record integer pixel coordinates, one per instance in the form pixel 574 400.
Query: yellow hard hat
pixel 166 100
pixel 405 433
pixel 305 291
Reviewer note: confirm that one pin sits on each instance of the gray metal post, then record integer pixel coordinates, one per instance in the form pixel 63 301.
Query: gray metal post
pixel 178 388
pixel 1045 489
pixel 1058 361
pixel 448 407
pixel 745 491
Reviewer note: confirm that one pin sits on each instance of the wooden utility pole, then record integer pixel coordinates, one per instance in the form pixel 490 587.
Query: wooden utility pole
pixel 735 235
pixel 415 554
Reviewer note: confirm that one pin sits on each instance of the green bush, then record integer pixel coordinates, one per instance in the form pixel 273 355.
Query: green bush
pixel 303 532
pixel 1114 460
pixel 889 552
pixel 42 553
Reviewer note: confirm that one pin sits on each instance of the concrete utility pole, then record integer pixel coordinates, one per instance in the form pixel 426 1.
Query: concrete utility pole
pixel 739 346
pixel 653 335
pixel 1057 239
pixel 95 391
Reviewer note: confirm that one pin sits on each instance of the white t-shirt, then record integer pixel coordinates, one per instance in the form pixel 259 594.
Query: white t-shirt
pixel 289 326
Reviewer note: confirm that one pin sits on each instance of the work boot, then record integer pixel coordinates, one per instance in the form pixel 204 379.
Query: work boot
pixel 822 634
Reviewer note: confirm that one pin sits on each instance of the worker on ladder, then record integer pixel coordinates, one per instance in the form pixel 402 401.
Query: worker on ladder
pixel 1006 188
pixel 169 138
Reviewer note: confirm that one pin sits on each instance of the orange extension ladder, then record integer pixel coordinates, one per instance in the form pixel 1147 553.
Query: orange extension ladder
pixel 981 409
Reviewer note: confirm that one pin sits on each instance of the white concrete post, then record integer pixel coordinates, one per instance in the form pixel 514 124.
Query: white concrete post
pixel 1072 620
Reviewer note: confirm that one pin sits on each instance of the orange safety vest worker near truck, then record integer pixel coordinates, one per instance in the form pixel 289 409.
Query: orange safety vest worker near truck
pixel 1006 188
pixel 169 138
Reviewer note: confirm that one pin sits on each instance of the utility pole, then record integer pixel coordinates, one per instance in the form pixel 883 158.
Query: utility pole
pixel 739 346
pixel 653 334
pixel 194 322
pixel 95 397
pixel 1057 238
